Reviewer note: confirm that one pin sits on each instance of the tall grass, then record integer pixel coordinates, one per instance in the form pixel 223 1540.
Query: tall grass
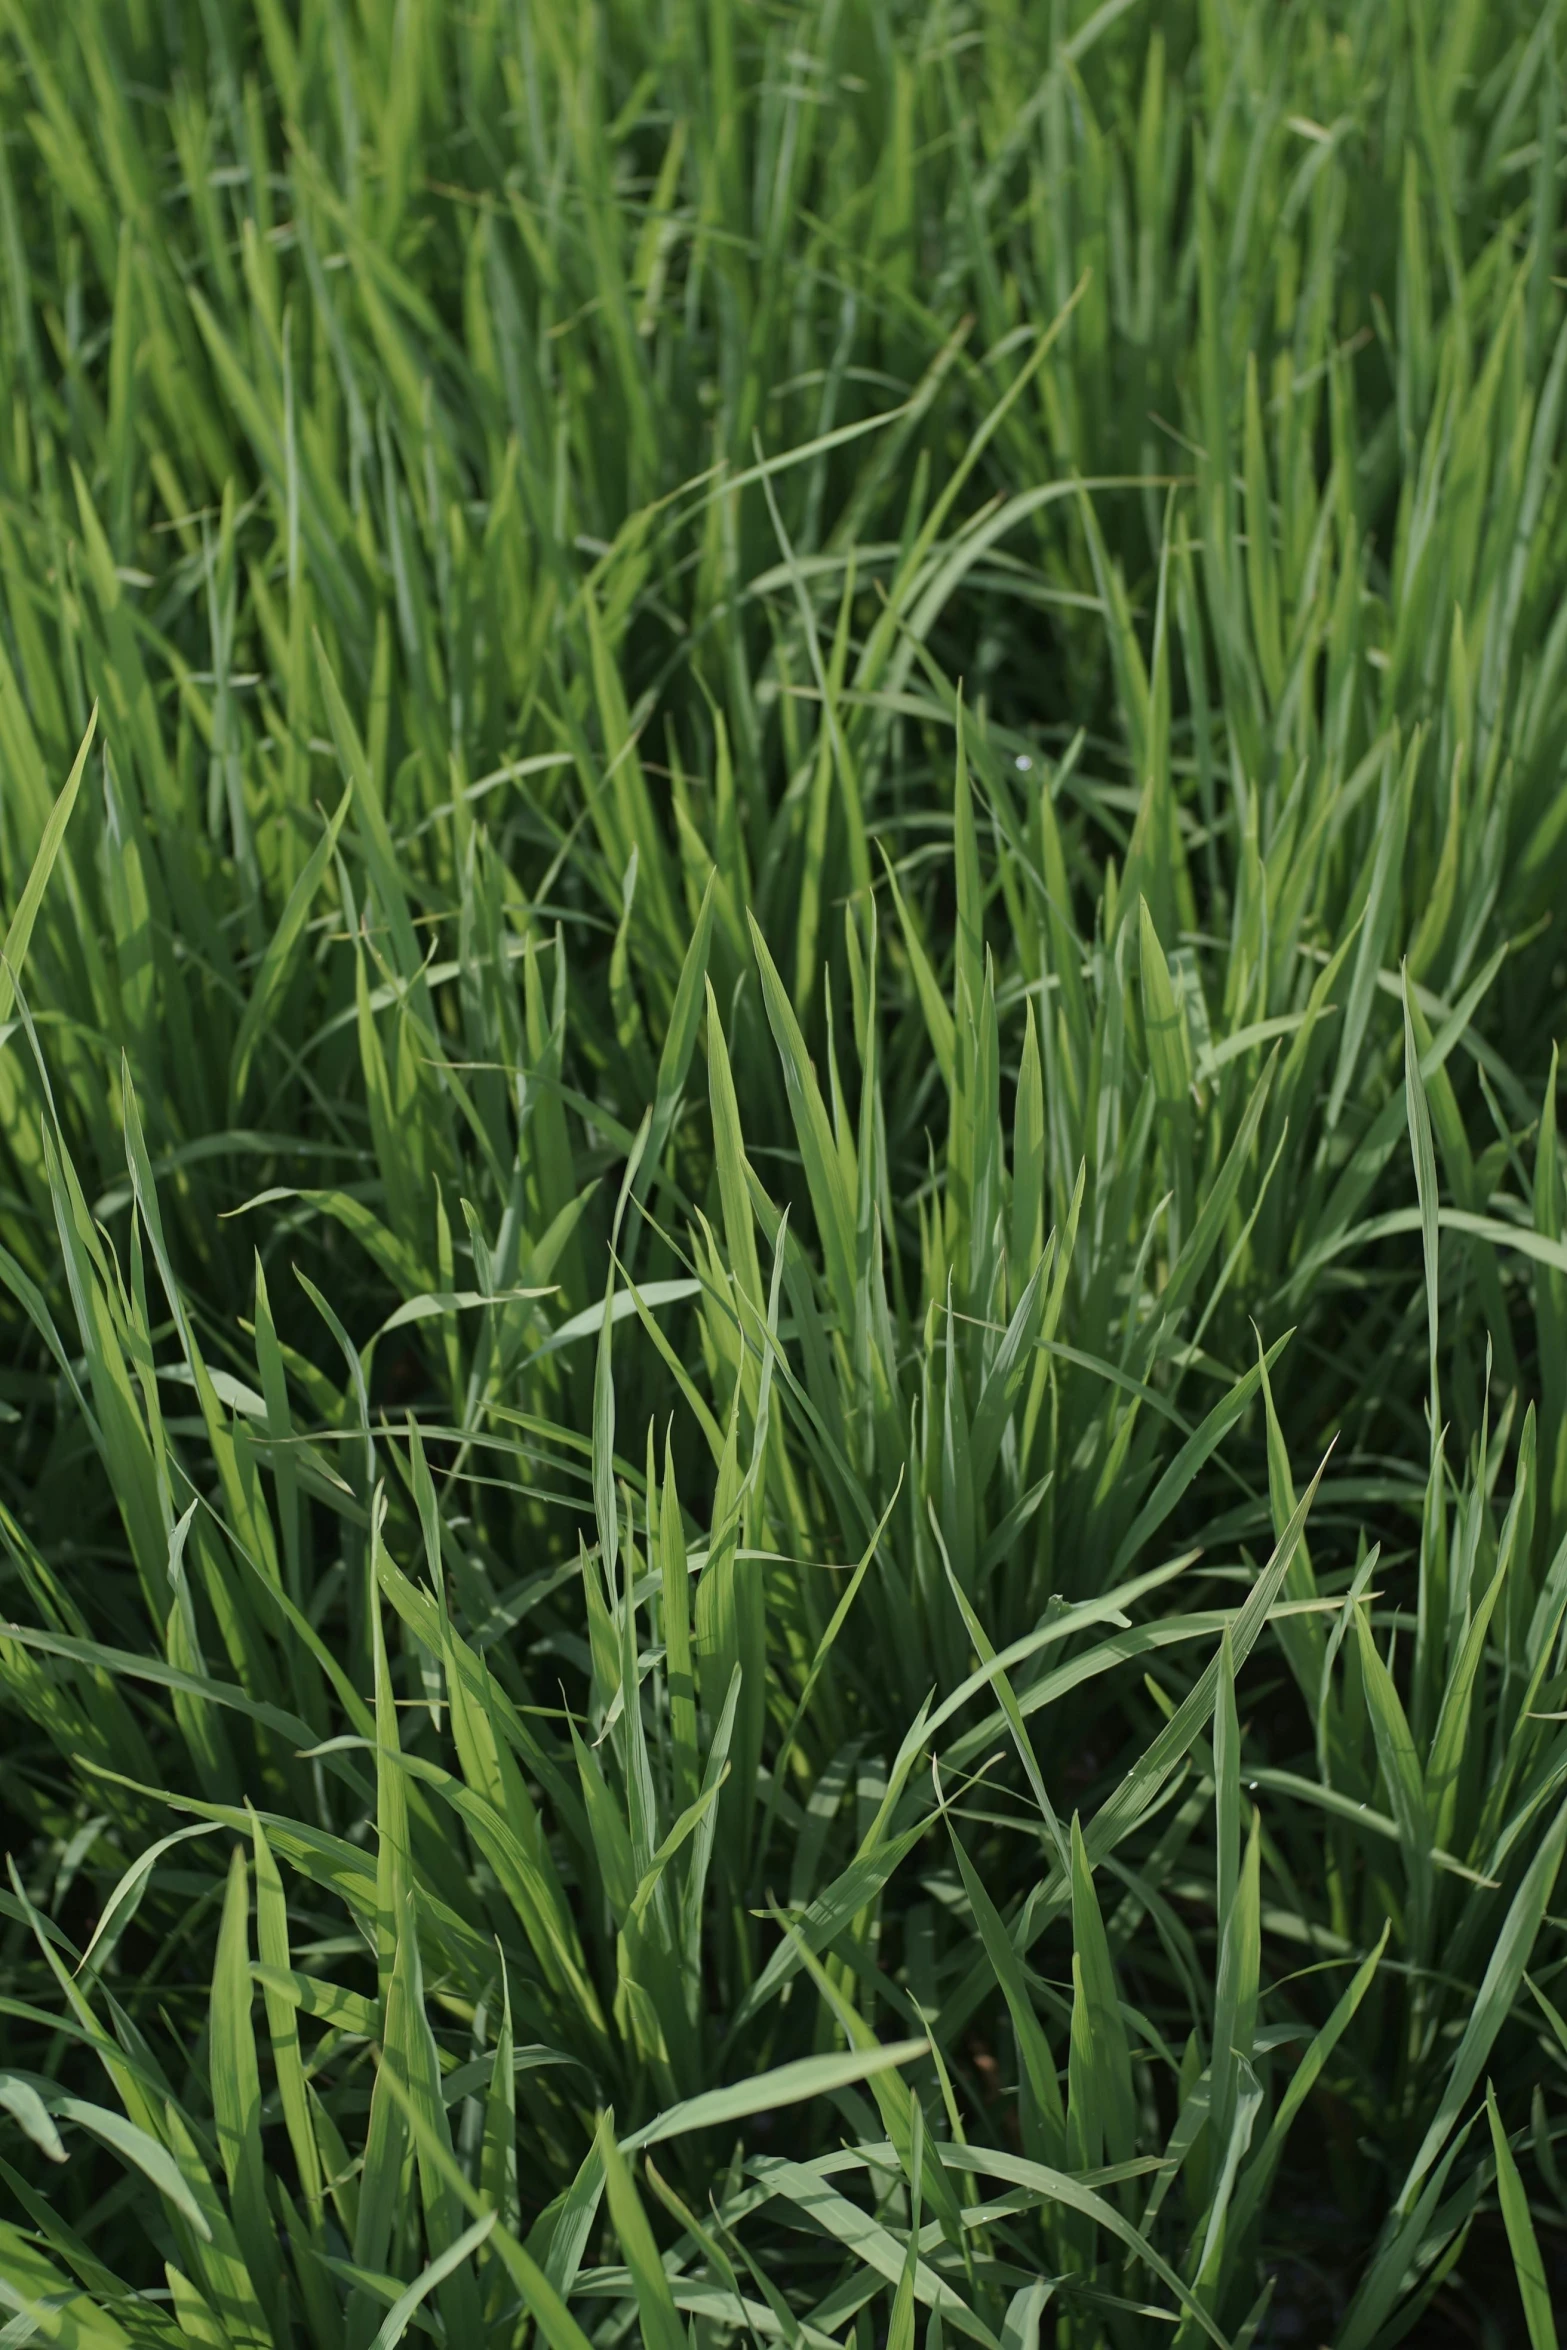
pixel 784 1489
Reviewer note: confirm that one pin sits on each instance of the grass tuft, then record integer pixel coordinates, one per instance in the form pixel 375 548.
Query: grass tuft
pixel 783 1491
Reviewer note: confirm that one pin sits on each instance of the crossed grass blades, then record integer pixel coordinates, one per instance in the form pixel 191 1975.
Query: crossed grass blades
pixel 786 1315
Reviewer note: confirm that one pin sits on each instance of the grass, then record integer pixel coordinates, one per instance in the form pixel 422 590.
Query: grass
pixel 784 1479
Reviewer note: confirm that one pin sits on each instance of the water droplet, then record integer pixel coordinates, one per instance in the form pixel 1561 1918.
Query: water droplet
pixel 1024 762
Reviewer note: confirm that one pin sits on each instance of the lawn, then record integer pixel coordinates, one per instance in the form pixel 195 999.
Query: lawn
pixel 783 1405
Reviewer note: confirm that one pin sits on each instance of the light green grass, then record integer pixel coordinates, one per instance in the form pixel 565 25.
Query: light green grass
pixel 784 1492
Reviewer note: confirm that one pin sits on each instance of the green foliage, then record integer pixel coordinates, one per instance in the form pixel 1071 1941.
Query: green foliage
pixel 783 1508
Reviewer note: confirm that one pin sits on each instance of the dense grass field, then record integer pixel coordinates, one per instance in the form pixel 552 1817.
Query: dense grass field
pixel 783 1248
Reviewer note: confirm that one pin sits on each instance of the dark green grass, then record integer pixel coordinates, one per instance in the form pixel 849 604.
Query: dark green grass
pixel 783 1482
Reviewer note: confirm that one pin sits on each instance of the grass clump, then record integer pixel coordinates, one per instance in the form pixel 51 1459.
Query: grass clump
pixel 784 1497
